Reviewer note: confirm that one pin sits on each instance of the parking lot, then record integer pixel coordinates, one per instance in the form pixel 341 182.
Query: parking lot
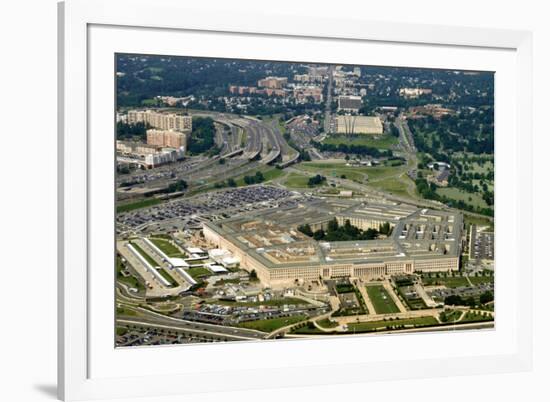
pixel 188 213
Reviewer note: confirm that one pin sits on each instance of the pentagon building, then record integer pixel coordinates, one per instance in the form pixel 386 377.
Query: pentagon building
pixel 270 243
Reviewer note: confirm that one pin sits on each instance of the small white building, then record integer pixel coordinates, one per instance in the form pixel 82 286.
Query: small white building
pixel 230 262
pixel 216 269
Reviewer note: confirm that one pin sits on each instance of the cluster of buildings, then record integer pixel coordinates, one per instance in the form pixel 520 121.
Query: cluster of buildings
pixel 441 173
pixel 176 101
pixel 411 93
pixel 315 74
pixel 304 89
pixel 269 242
pixel 350 103
pixel 435 110
pixel 166 140
pixel 148 155
pixel 163 121
pixel 273 82
pixel 245 90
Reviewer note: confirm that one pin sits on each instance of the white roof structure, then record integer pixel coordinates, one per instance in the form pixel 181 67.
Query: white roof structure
pixel 228 261
pixel 178 262
pixel 217 253
pixel 195 250
pixel 216 268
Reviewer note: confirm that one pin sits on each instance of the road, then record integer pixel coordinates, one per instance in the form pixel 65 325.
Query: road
pixel 455 327
pixel 328 101
pixel 151 318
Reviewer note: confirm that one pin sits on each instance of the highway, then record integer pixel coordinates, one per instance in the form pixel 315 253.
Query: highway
pixel 150 318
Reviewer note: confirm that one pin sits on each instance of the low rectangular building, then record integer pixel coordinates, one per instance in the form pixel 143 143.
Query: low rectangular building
pixel 349 103
pixel 359 125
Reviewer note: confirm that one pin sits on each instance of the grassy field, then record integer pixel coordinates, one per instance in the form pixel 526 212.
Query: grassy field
pixel 308 330
pixel 326 323
pixel 137 205
pixel 120 310
pixel 477 220
pixel 294 180
pixel 377 325
pixel 450 316
pixel 167 247
pixel 476 280
pixel 472 316
pixel 269 175
pixel 149 259
pixel 474 199
pixel 121 331
pixel 450 282
pixel 393 185
pixel 130 281
pixel 168 277
pixel 272 324
pixel 382 301
pixel 483 167
pixel 198 272
pixel 386 177
pixel 272 174
pixel 379 141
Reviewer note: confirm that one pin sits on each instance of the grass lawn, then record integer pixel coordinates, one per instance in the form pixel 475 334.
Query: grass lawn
pixel 377 325
pixel 131 280
pixel 384 141
pixel 382 301
pixel 476 280
pixel 336 170
pixel 272 174
pixel 149 259
pixel 450 282
pixel 474 199
pixel 272 324
pixel 137 205
pixel 483 168
pixel 307 330
pixel 167 276
pixel 385 177
pixel 450 316
pixel 393 185
pixel 167 247
pixel 477 220
pixel 198 272
pixel 294 180
pixel 472 316
pixel 121 331
pixel 125 311
pixel 326 323
pixel 269 175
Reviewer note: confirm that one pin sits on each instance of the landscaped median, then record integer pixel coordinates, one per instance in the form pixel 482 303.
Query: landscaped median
pixel 392 324
pixel 272 324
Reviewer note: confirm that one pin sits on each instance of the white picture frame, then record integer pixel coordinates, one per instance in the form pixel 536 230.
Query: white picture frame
pixel 80 378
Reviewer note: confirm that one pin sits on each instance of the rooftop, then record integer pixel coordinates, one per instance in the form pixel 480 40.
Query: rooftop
pixel 273 238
